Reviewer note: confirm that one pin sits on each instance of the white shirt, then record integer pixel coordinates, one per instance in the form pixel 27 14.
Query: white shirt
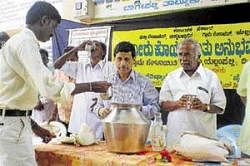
pixel 81 111
pixel 243 90
pixel 205 84
pixel 23 75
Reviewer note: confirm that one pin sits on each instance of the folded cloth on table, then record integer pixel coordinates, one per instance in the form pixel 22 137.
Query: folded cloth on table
pixel 200 148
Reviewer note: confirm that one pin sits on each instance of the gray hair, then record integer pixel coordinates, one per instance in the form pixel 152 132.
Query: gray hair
pixel 195 44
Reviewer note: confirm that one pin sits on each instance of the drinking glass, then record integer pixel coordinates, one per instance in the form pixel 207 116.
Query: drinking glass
pixel 189 101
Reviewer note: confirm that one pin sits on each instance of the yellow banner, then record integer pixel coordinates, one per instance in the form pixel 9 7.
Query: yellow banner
pixel 225 48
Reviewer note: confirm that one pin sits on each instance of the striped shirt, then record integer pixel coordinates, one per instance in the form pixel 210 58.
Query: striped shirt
pixel 136 89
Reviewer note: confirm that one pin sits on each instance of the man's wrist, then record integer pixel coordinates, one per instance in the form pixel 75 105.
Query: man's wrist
pixel 177 105
pixel 34 125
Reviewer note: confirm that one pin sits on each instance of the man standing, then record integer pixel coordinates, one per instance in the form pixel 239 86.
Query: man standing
pixel 128 86
pixel 192 79
pixel 94 70
pixel 22 77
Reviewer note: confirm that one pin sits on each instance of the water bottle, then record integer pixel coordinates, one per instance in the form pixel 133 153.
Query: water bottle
pixel 158 133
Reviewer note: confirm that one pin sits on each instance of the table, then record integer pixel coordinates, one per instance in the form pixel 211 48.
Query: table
pixel 97 155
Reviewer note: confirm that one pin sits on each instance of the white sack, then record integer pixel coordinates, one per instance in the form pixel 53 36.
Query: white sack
pixel 200 148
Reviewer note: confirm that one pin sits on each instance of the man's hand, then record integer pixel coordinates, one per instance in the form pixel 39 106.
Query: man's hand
pixel 44 134
pixel 100 86
pixel 81 47
pixel 174 105
pixel 41 132
pixel 182 102
pixel 103 112
pixel 198 105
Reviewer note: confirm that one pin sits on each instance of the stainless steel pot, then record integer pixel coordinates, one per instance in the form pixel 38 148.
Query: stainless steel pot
pixel 126 128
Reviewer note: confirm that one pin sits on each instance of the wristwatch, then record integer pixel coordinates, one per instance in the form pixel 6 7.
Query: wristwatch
pixel 207 108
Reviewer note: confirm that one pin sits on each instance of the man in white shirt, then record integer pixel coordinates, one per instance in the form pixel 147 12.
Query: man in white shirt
pixel 97 69
pixel 66 74
pixel 22 77
pixel 129 86
pixel 191 79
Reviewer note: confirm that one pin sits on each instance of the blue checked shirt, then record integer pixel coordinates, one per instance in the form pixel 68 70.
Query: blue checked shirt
pixel 136 89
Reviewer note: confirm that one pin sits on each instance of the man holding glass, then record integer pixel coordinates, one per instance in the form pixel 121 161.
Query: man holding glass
pixel 192 95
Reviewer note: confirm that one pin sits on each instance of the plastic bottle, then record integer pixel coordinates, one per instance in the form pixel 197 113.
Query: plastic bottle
pixel 158 133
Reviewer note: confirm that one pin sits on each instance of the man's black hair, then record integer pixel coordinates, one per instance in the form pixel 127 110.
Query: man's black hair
pixel 125 46
pixel 103 46
pixel 3 38
pixel 104 49
pixel 40 9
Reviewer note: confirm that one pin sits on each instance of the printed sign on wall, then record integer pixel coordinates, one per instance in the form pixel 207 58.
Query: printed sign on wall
pixel 225 48
pixel 77 36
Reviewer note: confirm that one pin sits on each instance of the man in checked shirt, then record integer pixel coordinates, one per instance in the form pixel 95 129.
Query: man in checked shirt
pixel 129 86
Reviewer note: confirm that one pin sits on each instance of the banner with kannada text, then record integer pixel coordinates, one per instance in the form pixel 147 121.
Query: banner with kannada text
pixel 225 48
